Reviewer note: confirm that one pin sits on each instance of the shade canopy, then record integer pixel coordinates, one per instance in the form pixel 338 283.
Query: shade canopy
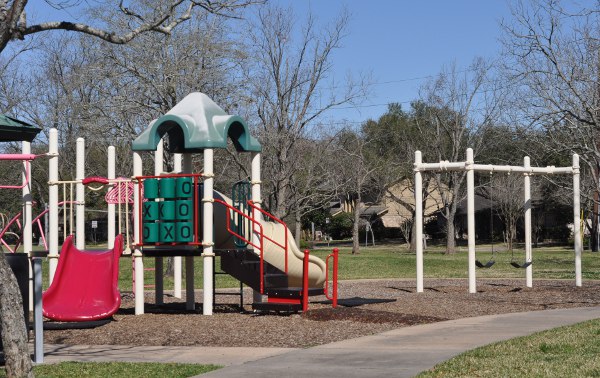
pixel 14 130
pixel 194 124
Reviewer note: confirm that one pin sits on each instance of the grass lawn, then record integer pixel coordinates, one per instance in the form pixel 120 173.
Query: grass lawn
pixel 395 261
pixel 561 352
pixel 118 369
pixel 569 351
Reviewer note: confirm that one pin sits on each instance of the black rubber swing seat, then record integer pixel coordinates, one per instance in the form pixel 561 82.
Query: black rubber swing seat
pixel 488 264
pixel 521 266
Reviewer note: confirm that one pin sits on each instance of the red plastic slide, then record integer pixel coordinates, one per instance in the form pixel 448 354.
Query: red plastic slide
pixel 85 286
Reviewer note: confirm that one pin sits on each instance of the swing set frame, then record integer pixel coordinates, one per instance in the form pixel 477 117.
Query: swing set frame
pixel 470 167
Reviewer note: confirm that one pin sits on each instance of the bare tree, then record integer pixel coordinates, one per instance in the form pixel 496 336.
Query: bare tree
pixel 127 24
pixel 359 170
pixel 552 52
pixel 292 89
pixel 459 105
pixel 163 17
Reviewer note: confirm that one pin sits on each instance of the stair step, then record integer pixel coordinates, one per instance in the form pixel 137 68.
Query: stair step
pixel 275 280
pixel 291 292
pixel 278 307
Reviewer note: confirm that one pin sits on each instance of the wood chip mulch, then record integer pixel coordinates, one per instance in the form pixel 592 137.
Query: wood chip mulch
pixel 170 324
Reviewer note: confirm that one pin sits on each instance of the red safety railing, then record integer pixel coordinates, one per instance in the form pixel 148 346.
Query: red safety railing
pixel 37 220
pixel 260 234
pixel 334 284
pixel 140 179
pixel 283 246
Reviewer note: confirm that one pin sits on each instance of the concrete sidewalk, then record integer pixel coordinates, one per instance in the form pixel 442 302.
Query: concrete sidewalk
pixel 403 352
pixel 185 355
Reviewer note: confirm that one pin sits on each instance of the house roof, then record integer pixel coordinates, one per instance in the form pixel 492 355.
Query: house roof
pixel 14 130
pixel 194 124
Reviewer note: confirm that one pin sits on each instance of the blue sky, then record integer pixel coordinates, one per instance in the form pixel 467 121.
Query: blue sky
pixel 396 40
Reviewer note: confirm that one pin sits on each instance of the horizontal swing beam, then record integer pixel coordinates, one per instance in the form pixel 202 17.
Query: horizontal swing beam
pixel 463 166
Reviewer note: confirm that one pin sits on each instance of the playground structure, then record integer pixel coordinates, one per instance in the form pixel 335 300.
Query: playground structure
pixel 254 246
pixel 181 215
pixel 470 167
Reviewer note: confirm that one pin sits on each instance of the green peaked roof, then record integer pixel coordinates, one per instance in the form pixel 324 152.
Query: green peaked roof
pixel 194 124
pixel 14 130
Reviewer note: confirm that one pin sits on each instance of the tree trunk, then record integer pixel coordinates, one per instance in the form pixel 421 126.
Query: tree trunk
pixel 12 325
pixel 594 232
pixel 169 267
pixel 298 228
pixel 413 235
pixel 355 228
pixel 450 236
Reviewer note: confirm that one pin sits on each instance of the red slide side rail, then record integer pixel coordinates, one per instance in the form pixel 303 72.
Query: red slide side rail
pixel 241 237
pixel 334 284
pixel 277 220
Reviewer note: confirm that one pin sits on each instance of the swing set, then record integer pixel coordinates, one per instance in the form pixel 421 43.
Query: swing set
pixel 470 167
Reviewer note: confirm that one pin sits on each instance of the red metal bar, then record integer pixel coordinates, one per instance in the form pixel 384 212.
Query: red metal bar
pixel 95 180
pixel 271 216
pixel 305 281
pixel 196 211
pixel 283 300
pixel 169 175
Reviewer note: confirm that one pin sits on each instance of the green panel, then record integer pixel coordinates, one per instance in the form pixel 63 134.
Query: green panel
pixel 150 188
pixel 150 211
pixel 167 188
pixel 167 210
pixel 150 232
pixel 167 232
pixel 184 232
pixel 184 210
pixel 184 187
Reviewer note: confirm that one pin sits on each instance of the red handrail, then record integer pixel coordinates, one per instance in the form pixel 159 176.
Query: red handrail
pixel 271 216
pixel 35 220
pixel 335 277
pixel 261 238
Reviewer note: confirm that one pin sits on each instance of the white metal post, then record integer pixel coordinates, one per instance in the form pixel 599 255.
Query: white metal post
pixel 576 220
pixel 138 261
pixel 177 259
pixel 111 172
pixel 80 195
pixel 158 261
pixel 527 206
pixel 419 220
pixel 52 204
pixel 255 177
pixel 207 226
pixel 190 295
pixel 471 219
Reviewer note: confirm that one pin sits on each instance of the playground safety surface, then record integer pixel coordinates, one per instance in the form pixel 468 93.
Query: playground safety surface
pixel 448 299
